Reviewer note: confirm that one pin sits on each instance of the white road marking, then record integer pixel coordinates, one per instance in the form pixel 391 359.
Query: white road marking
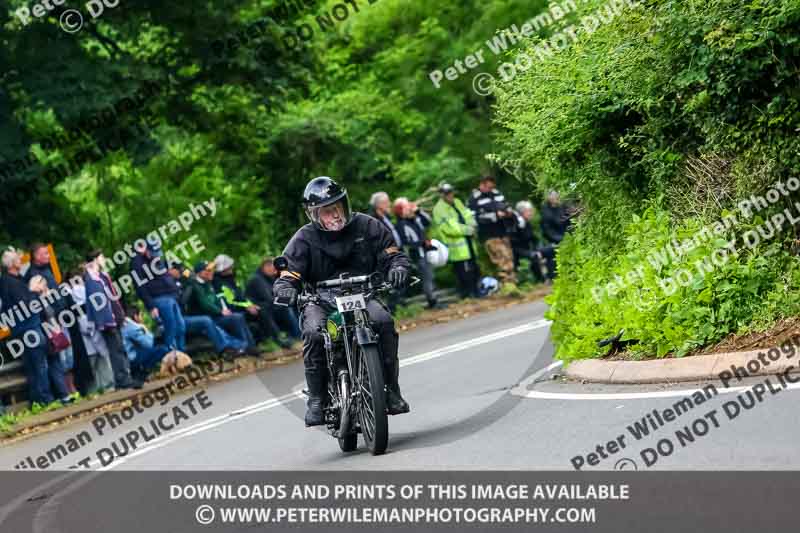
pixel 296 394
pixel 522 391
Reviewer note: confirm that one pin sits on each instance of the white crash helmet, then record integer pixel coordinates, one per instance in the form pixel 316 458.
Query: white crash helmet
pixel 438 257
pixel 489 285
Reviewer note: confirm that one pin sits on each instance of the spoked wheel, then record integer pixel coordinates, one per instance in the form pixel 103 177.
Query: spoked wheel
pixel 372 400
pixel 348 438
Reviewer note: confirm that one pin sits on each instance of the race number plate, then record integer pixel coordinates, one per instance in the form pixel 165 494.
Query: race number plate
pixel 350 303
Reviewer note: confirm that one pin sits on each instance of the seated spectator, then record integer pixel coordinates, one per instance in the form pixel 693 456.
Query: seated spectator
pixel 140 347
pixel 556 219
pixel 259 291
pixel 201 300
pixel 160 295
pixel 258 318
pixel 224 345
pixel 106 315
pixel 526 244
pixel 40 368
pixel 411 226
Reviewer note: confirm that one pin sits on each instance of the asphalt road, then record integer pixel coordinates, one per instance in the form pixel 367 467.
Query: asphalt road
pixel 483 396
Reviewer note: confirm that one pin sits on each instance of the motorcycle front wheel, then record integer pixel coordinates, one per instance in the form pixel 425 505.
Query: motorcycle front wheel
pixel 372 400
pixel 348 438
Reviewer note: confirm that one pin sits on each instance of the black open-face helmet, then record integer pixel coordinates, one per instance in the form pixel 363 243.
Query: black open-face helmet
pixel 321 193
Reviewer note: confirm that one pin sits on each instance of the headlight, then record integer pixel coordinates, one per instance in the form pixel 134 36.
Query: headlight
pixel 333 329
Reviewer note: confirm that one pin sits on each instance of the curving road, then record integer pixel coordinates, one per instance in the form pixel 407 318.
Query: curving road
pixel 483 397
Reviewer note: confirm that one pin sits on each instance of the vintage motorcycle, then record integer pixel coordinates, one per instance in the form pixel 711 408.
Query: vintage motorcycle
pixel 356 399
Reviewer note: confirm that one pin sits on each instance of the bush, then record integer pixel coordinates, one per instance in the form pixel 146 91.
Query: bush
pixel 663 98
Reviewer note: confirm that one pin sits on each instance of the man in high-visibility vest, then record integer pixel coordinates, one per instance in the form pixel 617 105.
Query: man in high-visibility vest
pixel 455 226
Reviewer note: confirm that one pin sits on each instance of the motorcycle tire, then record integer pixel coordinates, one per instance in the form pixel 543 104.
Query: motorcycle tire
pixel 372 414
pixel 348 442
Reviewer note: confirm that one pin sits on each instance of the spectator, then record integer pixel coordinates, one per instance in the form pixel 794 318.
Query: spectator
pixel 140 347
pixel 202 300
pixel 105 315
pixel 40 368
pixel 51 327
pixel 227 289
pixel 224 344
pixel 526 244
pixel 259 290
pixel 456 227
pixel 495 224
pixel 99 374
pixel 411 225
pixel 379 206
pixel 555 219
pixel 160 293
pixel 40 266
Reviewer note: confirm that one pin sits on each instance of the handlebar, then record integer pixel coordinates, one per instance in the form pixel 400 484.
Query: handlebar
pixel 333 283
pixel 374 283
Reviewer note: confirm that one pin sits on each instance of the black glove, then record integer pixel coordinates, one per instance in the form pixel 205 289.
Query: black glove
pixel 286 296
pixel 398 277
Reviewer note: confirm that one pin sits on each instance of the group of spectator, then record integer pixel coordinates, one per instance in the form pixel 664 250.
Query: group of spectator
pixel 506 233
pixel 107 345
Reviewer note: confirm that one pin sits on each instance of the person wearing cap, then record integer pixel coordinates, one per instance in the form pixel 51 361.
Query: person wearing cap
pixel 275 318
pixel 159 292
pixel 201 299
pixel 227 289
pixel 455 227
pixel 495 223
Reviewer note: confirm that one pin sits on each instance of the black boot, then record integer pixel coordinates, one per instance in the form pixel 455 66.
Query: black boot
pixel 316 385
pixel 395 404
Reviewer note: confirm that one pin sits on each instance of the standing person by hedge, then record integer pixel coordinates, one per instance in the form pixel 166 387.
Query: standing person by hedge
pixel 456 228
pixel 495 224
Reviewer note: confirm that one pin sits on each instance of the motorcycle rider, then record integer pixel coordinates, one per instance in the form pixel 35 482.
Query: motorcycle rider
pixel 337 242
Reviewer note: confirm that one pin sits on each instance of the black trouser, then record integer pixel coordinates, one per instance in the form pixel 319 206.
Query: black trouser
pixel 547 253
pixel 119 359
pixel 312 322
pixel 468 276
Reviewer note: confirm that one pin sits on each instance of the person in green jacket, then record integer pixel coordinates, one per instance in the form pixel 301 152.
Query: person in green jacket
pixel 455 226
pixel 199 298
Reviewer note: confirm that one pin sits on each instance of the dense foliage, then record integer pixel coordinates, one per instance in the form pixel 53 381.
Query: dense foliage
pixel 656 121
pixel 659 121
pixel 243 116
